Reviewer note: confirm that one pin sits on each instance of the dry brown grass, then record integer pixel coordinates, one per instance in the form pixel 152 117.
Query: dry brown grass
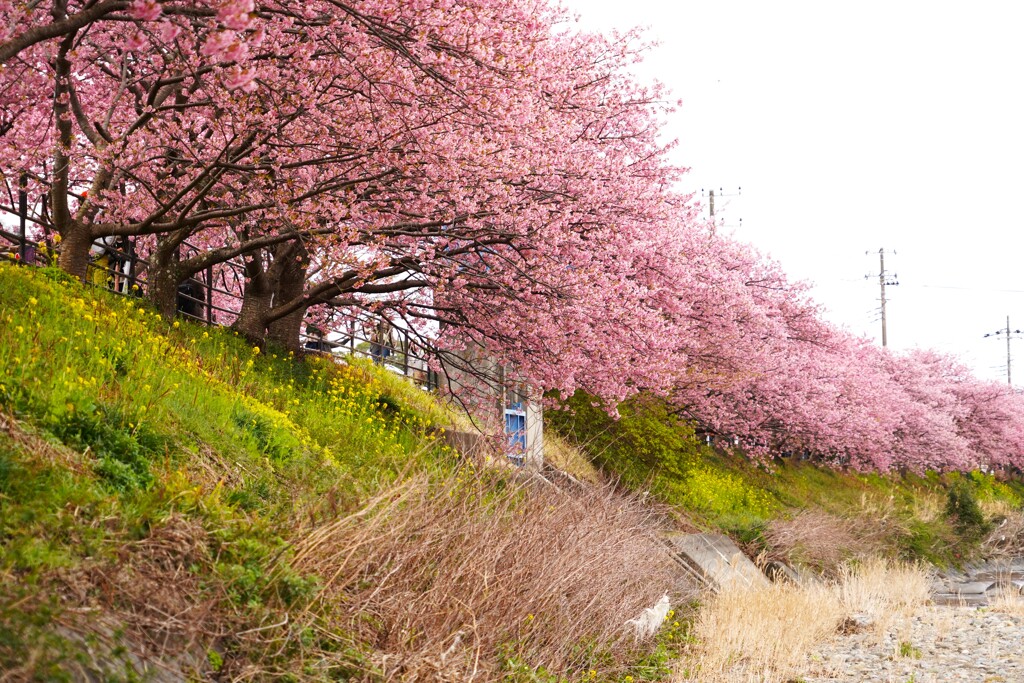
pixel 151 588
pixel 824 542
pixel 143 610
pixel 929 506
pixel 1008 601
pixel 440 576
pixel 766 636
pixel 566 457
pixel 763 635
pixel 878 591
pixel 1006 540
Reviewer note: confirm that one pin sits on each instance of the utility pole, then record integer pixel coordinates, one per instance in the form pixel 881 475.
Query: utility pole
pixel 883 280
pixel 721 193
pixel 1007 331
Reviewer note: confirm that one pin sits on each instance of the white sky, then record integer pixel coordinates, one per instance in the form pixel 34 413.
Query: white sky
pixel 852 127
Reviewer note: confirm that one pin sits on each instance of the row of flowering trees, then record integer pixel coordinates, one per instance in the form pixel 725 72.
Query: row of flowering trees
pixel 475 171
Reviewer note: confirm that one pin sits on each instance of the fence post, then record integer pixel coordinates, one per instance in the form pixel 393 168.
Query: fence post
pixel 132 265
pixel 209 295
pixel 22 216
pixel 405 356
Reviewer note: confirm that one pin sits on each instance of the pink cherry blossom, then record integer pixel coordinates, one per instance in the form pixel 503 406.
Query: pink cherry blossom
pixel 137 42
pixel 145 10
pixel 490 181
pixel 240 78
pixel 235 14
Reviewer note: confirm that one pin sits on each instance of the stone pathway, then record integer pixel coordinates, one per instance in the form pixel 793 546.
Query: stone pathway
pixel 938 644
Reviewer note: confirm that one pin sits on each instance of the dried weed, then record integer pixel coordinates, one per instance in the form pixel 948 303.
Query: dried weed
pixel 1006 540
pixel 768 635
pixel 443 576
pixel 824 542
pixel 763 635
pixel 148 592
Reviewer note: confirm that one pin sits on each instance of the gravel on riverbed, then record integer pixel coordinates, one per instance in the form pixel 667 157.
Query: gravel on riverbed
pixel 937 644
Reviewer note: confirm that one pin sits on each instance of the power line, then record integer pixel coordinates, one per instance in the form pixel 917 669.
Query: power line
pixel 845 280
pixel 971 289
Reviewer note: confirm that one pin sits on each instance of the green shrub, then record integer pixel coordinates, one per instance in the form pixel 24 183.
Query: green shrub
pixel 122 449
pixel 963 510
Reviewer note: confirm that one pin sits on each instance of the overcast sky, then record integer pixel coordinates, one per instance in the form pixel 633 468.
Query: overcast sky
pixel 853 127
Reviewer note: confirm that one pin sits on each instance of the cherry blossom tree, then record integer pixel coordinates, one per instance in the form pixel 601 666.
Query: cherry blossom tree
pixel 448 161
pixel 473 171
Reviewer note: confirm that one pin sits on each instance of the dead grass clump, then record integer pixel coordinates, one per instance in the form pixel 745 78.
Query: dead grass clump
pixel 823 542
pixel 763 635
pixel 1008 601
pixel 878 590
pixel 766 636
pixel 150 589
pixel 566 457
pixel 885 584
pixel 451 579
pixel 1006 540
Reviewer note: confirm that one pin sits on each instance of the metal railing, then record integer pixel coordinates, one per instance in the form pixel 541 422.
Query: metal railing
pixel 122 271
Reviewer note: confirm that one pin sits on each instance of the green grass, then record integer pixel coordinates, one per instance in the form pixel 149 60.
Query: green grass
pixel 150 468
pixel 650 448
pixel 129 424
pixel 109 375
pixel 154 465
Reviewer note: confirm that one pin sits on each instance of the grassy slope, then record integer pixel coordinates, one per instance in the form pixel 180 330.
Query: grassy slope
pixel 167 492
pixel 166 466
pixel 789 508
pixel 178 503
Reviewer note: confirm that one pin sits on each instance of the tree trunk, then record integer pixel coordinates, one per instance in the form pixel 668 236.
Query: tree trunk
pixel 257 300
pixel 294 262
pixel 164 276
pixel 74 250
pixel 163 289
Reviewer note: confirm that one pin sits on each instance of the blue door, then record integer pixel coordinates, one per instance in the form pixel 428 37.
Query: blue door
pixel 515 431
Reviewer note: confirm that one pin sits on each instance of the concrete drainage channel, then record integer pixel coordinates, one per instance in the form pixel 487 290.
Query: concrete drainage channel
pixel 976 586
pixel 716 562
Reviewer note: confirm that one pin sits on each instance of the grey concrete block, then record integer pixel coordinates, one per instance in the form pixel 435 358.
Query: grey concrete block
pixel 717 560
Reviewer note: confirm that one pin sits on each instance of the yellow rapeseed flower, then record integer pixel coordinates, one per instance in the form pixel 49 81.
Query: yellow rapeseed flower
pixel 33 301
